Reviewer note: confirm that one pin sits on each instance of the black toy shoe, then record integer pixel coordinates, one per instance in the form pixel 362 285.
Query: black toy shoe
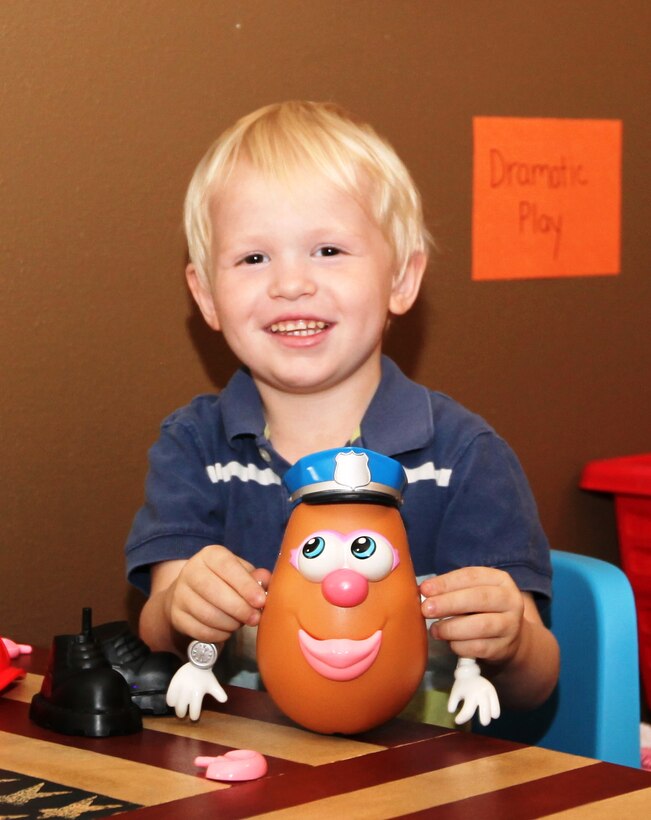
pixel 81 694
pixel 147 673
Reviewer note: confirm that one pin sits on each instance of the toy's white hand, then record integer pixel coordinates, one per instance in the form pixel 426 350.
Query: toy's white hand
pixel 476 692
pixel 188 688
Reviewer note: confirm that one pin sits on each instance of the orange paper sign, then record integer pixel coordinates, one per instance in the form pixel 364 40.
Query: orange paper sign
pixel 546 197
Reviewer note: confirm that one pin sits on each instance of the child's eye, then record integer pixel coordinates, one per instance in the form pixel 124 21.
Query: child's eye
pixel 254 259
pixel 328 250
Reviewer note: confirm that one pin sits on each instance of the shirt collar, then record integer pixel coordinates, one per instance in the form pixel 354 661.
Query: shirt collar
pixel 242 407
pixel 398 419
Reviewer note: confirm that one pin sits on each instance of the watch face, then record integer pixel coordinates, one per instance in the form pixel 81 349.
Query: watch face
pixel 203 655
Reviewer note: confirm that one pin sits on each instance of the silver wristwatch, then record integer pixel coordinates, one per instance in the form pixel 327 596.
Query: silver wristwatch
pixel 202 654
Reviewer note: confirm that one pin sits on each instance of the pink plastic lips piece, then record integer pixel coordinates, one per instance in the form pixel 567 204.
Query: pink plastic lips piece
pixel 340 658
pixel 239 764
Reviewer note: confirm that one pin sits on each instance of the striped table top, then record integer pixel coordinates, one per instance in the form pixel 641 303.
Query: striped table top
pixel 401 769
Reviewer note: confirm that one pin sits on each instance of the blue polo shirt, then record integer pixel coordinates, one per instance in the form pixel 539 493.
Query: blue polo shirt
pixel 215 479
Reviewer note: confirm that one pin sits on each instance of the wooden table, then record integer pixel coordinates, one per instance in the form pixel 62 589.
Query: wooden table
pixel 401 769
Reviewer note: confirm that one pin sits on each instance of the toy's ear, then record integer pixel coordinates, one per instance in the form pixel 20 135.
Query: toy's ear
pixel 203 296
pixel 406 284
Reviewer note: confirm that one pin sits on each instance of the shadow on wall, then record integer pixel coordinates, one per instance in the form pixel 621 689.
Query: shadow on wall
pixel 134 601
pixel 405 340
pixel 215 355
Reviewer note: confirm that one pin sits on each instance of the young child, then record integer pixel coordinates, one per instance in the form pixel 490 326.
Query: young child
pixel 306 236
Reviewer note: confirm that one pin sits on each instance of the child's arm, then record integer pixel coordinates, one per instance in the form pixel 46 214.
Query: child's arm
pixel 207 597
pixel 489 618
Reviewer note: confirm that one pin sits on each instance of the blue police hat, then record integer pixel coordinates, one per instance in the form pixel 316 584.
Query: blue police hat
pixel 346 474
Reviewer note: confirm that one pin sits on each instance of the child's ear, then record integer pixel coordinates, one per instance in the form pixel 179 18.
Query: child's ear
pixel 203 296
pixel 407 284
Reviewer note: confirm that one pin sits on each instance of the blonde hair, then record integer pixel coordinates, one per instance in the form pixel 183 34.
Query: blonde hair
pixel 282 138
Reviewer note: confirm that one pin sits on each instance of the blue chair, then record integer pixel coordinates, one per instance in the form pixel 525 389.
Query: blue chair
pixel 595 709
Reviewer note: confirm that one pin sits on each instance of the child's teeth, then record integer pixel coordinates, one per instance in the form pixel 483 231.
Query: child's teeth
pixel 301 327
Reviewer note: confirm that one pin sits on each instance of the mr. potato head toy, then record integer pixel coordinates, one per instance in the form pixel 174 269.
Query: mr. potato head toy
pixel 342 641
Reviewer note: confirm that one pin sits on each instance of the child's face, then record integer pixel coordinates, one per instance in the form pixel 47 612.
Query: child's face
pixel 301 282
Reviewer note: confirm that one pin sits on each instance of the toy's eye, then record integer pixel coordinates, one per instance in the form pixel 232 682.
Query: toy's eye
pixel 319 555
pixel 313 547
pixel 372 555
pixel 363 547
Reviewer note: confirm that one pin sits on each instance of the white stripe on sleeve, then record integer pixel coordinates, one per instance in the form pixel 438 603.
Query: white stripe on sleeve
pixel 245 472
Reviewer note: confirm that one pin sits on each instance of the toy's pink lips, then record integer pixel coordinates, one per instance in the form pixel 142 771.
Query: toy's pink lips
pixel 340 658
pixel 238 764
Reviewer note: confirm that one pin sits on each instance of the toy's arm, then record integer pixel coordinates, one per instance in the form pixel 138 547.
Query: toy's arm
pixel 476 692
pixel 194 680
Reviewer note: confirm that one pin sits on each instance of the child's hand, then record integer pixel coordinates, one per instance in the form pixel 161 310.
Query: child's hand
pixel 484 612
pixel 214 594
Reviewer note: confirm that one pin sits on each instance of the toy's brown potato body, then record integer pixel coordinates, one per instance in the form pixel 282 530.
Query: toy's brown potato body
pixel 390 614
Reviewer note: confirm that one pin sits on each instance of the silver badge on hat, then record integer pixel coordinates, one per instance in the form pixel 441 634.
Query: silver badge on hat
pixel 351 470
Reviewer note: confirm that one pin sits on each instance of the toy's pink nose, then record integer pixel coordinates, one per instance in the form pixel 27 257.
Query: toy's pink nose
pixel 344 587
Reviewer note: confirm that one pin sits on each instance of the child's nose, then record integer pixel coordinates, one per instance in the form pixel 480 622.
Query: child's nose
pixel 291 280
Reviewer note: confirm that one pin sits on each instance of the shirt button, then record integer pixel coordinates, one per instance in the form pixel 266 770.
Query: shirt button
pixel 266 456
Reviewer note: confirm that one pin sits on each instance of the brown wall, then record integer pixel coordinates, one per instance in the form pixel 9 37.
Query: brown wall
pixel 105 109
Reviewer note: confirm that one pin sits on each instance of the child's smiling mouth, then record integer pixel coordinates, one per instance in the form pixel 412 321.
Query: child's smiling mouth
pixel 299 327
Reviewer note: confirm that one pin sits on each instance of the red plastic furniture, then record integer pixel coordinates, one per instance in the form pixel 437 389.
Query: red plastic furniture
pixel 628 478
